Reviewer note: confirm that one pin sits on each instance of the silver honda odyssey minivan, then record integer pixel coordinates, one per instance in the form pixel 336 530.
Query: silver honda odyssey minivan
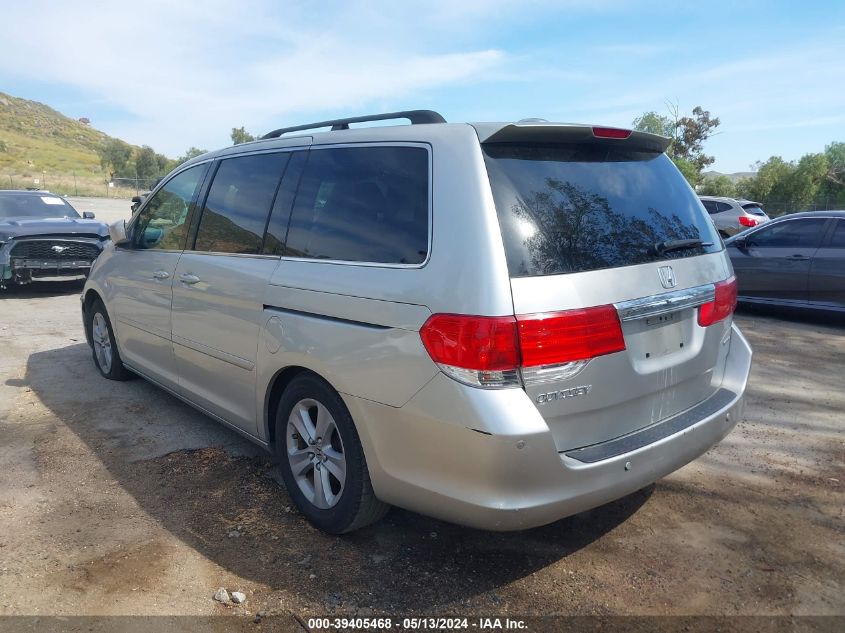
pixel 495 324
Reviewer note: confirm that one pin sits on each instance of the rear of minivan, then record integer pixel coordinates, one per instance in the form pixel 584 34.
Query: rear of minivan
pixel 618 364
pixel 506 323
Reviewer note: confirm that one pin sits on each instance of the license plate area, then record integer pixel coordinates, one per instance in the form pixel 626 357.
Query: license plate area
pixel 660 341
pixel 661 319
pixel 48 264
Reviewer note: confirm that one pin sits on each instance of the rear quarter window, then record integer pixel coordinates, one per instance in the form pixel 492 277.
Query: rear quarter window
pixel 573 208
pixel 710 206
pixel 362 204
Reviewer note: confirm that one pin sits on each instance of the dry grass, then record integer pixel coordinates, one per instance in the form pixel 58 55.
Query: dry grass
pixel 39 143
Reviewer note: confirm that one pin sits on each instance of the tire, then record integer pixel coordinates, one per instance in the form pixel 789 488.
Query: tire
pixel 103 344
pixel 309 410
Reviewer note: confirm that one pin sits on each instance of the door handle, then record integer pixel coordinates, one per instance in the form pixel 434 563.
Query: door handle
pixel 161 274
pixel 189 279
pixel 797 258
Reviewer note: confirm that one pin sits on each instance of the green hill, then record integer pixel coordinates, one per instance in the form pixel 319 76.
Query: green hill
pixel 37 142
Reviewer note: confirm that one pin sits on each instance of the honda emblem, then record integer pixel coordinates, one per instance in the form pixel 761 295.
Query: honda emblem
pixel 667 276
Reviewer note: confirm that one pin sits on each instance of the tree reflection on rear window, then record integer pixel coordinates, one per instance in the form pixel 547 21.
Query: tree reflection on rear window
pixel 573 208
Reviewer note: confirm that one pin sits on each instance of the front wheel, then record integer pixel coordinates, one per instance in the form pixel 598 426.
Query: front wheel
pixel 321 458
pixel 103 344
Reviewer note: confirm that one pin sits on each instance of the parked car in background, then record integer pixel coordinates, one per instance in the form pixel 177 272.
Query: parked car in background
pixel 547 329
pixel 43 237
pixel 796 260
pixel 732 216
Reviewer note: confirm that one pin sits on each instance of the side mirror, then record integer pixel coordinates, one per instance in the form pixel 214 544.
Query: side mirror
pixel 740 242
pixel 88 215
pixel 117 232
pixel 136 202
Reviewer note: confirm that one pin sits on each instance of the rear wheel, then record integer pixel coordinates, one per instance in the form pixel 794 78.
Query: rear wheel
pixel 103 344
pixel 321 459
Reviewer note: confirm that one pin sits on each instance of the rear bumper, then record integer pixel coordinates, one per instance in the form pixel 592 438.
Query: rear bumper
pixel 487 459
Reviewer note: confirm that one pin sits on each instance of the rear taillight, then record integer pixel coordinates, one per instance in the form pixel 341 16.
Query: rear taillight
pixel 722 306
pixel 610 132
pixel 492 351
pixel 746 221
pixel 481 351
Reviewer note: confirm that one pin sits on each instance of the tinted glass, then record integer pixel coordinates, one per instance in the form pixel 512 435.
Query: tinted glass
pixel 162 222
pixel 278 226
pixel 15 205
pixel 801 233
pixel 710 205
pixel 838 240
pixel 238 204
pixel 572 208
pixel 723 206
pixel 362 204
pixel 753 209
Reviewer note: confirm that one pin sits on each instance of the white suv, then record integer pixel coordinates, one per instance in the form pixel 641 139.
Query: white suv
pixel 732 216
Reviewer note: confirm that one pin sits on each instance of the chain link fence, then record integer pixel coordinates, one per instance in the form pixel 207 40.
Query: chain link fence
pixel 140 185
pixel 77 184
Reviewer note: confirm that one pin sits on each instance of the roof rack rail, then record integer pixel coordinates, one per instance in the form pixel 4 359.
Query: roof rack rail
pixel 414 116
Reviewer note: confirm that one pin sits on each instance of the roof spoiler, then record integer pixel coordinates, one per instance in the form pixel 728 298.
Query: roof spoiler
pixel 569 133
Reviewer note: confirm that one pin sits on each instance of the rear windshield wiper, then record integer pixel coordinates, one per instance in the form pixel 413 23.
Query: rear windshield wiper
pixel 678 245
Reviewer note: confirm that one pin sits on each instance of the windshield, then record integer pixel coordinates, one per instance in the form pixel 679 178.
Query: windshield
pixel 35 206
pixel 573 208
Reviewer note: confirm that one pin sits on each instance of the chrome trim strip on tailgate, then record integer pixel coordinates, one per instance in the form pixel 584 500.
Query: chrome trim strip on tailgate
pixel 665 303
pixel 655 432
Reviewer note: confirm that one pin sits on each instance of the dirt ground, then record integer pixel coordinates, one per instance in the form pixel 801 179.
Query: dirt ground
pixel 115 498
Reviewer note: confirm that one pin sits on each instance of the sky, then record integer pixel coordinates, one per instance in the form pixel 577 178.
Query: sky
pixel 179 74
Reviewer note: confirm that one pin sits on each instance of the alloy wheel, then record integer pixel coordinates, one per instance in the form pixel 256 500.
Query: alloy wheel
pixel 102 342
pixel 315 453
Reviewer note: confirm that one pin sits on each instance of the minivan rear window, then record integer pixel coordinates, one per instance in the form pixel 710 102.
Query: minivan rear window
pixel 579 207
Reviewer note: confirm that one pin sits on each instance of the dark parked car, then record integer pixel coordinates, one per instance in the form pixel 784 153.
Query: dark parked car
pixel 42 237
pixel 797 260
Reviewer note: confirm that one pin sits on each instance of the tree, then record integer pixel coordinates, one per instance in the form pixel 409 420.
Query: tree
pixel 193 152
pixel 163 163
pixel 688 135
pixel 240 135
pixel 767 183
pixel 805 182
pixel 146 165
pixel 114 156
pixel 720 185
pixel 689 171
pixel 833 187
pixel 654 123
pixel 810 183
